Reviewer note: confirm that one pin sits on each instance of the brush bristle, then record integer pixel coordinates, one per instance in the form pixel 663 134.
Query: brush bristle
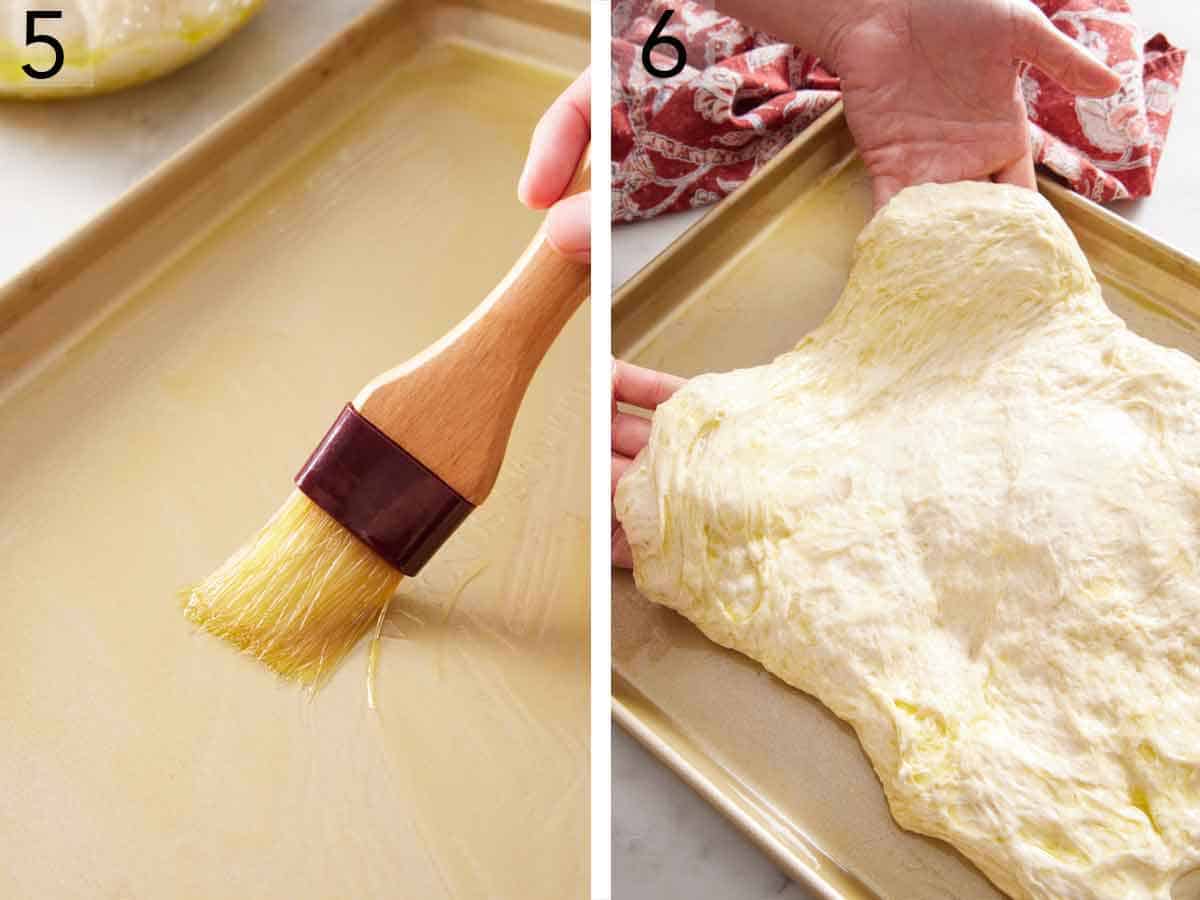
pixel 299 595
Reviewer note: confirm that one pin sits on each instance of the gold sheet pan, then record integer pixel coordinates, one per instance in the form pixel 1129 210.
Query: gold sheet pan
pixel 162 376
pixel 740 287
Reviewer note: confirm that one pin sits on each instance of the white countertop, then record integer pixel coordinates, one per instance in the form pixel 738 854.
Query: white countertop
pixel 667 842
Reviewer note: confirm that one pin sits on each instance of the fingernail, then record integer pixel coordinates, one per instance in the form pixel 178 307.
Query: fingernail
pixel 523 185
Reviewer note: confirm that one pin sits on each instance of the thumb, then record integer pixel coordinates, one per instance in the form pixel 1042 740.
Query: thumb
pixel 1037 41
pixel 569 227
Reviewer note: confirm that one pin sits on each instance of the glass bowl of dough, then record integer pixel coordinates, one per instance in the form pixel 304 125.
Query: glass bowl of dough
pixel 75 48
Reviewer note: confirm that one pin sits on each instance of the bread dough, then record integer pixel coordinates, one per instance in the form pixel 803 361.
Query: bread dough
pixel 963 513
pixel 111 44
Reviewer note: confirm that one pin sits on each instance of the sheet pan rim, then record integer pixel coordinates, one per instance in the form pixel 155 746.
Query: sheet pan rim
pixel 662 750
pixel 168 181
pixel 828 126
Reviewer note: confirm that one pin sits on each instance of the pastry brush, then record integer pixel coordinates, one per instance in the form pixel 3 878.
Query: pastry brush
pixel 404 464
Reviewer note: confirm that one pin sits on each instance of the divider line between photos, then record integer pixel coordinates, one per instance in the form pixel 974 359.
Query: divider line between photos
pixel 601 444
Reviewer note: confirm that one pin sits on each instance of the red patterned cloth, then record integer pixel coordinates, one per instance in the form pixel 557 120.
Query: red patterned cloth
pixel 689 140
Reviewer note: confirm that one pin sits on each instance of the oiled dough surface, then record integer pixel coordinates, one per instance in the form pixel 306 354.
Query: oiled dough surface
pixel 965 514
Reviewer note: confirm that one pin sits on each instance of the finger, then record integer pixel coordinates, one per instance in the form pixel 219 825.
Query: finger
pixel 642 387
pixel 569 227
pixel 1037 41
pixel 557 145
pixel 630 434
pixel 613 392
pixel 1019 172
pixel 622 556
pixel 620 465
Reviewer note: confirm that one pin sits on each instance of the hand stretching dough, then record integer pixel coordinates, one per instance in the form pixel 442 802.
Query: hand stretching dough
pixel 964 513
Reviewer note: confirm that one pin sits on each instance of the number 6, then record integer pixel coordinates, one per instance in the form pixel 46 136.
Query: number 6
pixel 32 37
pixel 656 38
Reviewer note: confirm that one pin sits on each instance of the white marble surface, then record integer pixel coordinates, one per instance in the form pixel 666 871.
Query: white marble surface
pixel 667 842
pixel 65 162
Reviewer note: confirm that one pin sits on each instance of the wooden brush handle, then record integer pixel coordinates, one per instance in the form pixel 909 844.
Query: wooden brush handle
pixel 453 405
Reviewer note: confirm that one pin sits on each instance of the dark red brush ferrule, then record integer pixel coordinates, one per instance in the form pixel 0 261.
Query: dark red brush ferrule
pixel 381 494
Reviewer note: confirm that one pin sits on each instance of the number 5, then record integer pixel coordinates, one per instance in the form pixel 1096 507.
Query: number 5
pixel 32 37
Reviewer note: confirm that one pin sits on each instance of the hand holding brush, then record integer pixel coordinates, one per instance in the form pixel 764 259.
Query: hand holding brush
pixel 403 465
